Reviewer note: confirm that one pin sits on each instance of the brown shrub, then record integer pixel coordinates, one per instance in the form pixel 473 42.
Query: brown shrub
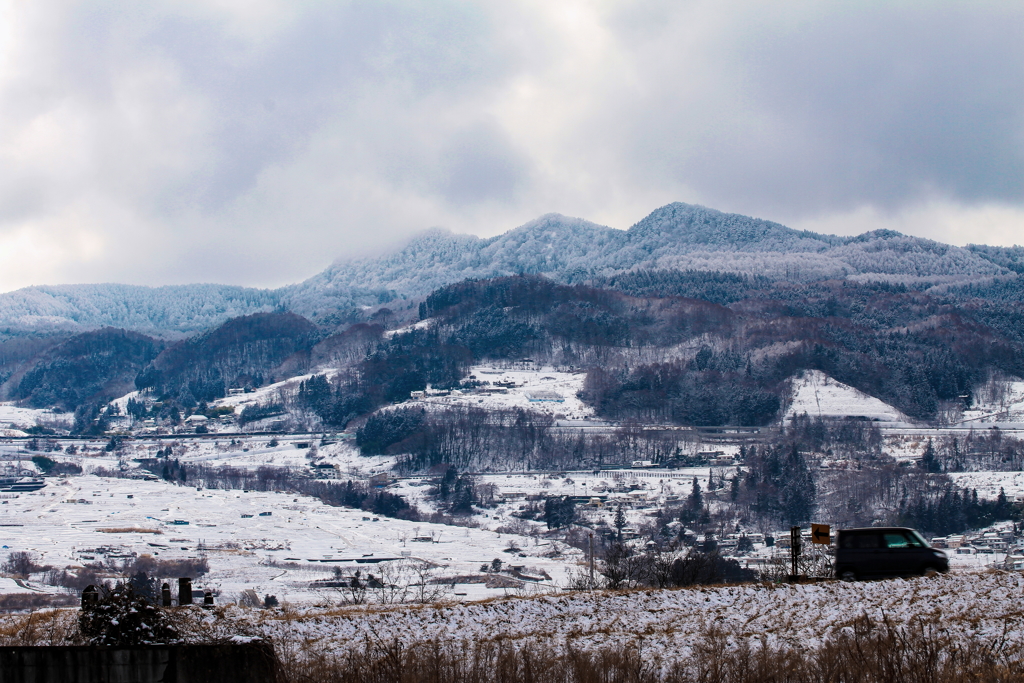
pixel 16 602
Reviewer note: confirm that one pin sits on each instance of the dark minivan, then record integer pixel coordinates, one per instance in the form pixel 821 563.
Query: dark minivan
pixel 877 552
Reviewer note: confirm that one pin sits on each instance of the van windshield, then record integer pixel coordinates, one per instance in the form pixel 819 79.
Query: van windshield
pixel 920 539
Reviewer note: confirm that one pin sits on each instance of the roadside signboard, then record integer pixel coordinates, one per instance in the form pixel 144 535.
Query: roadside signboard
pixel 821 534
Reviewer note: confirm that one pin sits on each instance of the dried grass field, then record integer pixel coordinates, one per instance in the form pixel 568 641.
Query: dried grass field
pixel 966 627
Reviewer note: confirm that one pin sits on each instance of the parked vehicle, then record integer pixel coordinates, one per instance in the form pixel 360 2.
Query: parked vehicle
pixel 877 552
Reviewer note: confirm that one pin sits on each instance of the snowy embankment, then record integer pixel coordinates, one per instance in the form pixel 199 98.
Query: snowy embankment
pixel 668 624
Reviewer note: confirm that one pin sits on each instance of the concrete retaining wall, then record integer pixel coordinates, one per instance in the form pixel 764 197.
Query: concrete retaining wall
pixel 229 663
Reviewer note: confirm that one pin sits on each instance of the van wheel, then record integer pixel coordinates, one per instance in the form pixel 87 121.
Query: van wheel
pixel 930 572
pixel 847 575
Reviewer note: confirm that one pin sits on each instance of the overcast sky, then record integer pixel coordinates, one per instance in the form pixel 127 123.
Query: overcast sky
pixel 255 141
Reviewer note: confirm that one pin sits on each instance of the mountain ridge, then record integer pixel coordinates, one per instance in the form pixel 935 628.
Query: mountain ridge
pixel 676 236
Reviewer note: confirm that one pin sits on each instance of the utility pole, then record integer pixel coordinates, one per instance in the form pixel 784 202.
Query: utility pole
pixel 591 560
pixel 794 553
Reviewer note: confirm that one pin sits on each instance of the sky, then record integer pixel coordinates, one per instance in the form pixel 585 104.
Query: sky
pixel 254 142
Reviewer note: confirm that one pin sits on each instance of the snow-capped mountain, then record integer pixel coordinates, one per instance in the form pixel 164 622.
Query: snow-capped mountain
pixel 674 237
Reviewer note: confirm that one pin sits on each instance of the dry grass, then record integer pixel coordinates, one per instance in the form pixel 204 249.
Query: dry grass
pixel 42 627
pixel 866 651
pixel 871 653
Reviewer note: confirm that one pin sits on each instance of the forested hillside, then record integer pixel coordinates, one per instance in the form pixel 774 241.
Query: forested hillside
pixel 676 237
pixel 151 310
pixel 672 359
pixel 89 367
pixel 678 347
pixel 244 352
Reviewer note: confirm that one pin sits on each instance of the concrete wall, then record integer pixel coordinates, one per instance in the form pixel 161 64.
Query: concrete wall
pixel 229 663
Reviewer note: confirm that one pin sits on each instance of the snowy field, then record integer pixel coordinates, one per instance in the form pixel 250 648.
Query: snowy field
pixel 989 483
pixel 541 391
pixel 295 452
pixel 270 393
pixel 13 417
pixel 667 624
pixel 273 543
pixel 240 451
pixel 819 395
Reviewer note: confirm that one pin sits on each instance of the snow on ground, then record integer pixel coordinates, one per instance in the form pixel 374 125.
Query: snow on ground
pixel 998 402
pixel 667 624
pixel 251 452
pixel 421 325
pixel 270 393
pixel 633 490
pixel 122 401
pixel 989 483
pixel 8 586
pixel 15 417
pixel 88 519
pixel 819 395
pixel 541 391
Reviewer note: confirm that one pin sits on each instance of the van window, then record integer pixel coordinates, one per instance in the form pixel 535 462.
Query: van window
pixel 899 540
pixel 861 541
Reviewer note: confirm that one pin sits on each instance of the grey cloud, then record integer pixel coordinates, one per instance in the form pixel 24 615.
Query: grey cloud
pixel 312 73
pixel 480 164
pixel 808 110
pixel 189 148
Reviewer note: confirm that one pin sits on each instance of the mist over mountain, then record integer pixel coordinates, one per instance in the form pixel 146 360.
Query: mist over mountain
pixel 676 237
pixel 174 309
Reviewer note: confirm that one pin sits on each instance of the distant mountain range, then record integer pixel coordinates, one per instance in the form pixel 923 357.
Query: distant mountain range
pixel 676 237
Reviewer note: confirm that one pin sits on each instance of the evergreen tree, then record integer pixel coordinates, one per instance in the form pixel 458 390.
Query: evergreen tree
pixel 696 501
pixel 620 521
pixel 928 462
pixel 798 493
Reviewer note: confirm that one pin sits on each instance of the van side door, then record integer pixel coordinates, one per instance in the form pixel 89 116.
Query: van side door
pixel 862 551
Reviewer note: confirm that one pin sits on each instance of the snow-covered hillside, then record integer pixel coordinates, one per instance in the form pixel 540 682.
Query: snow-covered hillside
pixel 818 395
pixel 161 310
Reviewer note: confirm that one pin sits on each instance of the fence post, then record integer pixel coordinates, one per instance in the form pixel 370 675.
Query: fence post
pixel 794 553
